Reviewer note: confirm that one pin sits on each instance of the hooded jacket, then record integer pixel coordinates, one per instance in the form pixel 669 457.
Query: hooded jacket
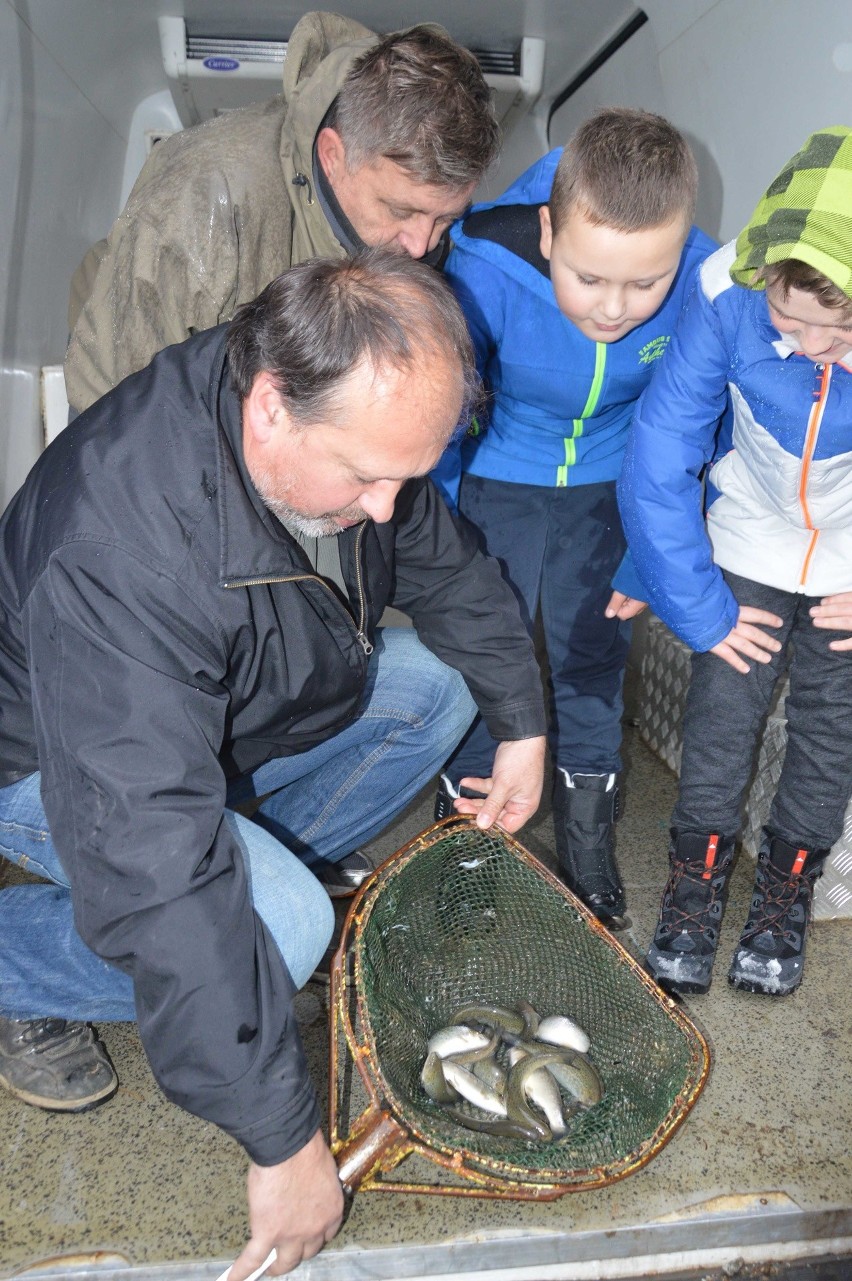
pixel 163 633
pixel 562 403
pixel 780 487
pixel 216 213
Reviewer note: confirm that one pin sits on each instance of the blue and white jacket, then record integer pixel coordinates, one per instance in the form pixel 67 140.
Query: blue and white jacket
pixel 780 488
pixel 562 403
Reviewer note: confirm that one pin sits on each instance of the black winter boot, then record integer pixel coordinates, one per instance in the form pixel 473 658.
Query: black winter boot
pixel 684 947
pixel 585 807
pixel 770 956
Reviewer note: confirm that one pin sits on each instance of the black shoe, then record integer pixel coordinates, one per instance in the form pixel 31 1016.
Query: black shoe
pixel 770 956
pixel 56 1065
pixel 447 793
pixel 344 878
pixel 585 807
pixel 684 948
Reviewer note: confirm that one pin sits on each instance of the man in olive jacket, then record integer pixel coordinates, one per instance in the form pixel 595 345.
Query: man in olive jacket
pixel 373 141
pixel 190 582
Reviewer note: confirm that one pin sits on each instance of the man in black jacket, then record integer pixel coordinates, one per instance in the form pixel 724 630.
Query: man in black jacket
pixel 190 582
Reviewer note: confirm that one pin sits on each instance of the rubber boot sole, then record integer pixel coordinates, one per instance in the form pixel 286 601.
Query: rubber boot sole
pixel 60 1105
pixel 743 974
pixel 680 975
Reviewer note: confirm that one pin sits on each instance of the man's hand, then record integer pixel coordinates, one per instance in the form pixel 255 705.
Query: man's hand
pixel 295 1207
pixel 624 607
pixel 513 791
pixel 748 638
pixel 835 612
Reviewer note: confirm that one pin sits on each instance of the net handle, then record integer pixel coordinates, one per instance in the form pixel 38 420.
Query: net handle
pixel 380 1144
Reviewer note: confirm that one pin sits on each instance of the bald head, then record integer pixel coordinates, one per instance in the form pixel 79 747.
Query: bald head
pixel 316 324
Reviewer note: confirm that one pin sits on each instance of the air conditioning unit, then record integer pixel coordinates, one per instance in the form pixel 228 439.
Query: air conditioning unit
pixel 514 78
pixel 209 74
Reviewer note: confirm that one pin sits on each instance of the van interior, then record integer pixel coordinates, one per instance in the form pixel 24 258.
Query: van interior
pixel 758 1181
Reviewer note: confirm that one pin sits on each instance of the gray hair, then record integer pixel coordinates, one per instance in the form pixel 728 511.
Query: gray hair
pixel 314 324
pixel 419 99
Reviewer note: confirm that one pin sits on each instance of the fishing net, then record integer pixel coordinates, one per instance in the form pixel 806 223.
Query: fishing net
pixel 460 915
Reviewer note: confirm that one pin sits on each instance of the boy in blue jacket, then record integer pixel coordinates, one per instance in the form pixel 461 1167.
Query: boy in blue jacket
pixel 571 283
pixel 772 322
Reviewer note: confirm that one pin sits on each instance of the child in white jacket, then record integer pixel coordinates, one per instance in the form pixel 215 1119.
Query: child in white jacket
pixel 753 588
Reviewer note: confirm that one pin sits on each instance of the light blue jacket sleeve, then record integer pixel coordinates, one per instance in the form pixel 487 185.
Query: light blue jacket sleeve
pixel 671 440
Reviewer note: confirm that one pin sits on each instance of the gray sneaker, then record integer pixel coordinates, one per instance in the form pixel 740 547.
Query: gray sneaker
pixel 55 1064
pixel 344 878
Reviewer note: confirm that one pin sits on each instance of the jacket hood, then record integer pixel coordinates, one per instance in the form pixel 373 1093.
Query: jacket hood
pixel 320 53
pixel 804 214
pixel 531 188
pixel 314 37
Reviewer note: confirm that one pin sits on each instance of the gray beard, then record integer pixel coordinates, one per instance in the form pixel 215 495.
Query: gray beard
pixel 307 526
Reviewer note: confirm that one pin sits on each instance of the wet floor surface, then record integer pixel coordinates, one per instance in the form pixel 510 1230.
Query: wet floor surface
pixel 150 1184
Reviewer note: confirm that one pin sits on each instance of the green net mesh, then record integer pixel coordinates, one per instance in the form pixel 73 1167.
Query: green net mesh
pixel 473 917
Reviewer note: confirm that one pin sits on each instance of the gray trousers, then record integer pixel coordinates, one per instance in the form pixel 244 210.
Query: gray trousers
pixel 725 714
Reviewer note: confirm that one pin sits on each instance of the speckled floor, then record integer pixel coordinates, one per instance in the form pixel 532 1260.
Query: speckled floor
pixel 148 1184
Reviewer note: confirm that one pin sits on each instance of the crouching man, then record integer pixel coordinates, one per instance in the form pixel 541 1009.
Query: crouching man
pixel 190 582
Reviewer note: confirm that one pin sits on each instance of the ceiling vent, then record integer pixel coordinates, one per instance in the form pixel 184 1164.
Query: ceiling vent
pixel 209 75
pixel 515 78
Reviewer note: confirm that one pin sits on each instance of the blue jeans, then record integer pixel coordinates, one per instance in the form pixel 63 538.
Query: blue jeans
pixel 320 804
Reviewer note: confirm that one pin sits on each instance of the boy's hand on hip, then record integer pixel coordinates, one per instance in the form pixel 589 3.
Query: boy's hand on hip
pixel 624 607
pixel 835 612
pixel 295 1207
pixel 513 791
pixel 748 639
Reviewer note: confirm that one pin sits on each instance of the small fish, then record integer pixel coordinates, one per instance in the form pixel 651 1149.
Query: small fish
pixel 542 1091
pixel 530 1016
pixel 472 1089
pixel 435 1083
pixel 579 1076
pixel 573 1071
pixel 516 1094
pixel 456 1040
pixel 489 1071
pixel 558 1029
pixel 469 1058
pixel 499 1125
pixel 494 1016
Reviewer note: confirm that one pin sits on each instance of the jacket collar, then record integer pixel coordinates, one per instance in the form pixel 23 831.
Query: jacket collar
pixel 252 543
pixel 343 230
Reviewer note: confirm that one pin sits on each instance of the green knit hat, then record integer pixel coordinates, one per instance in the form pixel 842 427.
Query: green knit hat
pixel 806 214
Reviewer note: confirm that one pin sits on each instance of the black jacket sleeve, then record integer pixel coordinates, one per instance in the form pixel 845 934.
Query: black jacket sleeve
pixel 465 612
pixel 130 715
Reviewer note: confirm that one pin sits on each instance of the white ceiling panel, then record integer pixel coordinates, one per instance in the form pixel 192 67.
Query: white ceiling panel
pixel 110 48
